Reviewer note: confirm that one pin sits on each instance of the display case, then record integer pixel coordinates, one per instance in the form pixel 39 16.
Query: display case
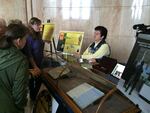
pixel 113 101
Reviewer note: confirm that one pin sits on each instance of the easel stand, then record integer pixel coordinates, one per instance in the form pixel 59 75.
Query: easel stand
pixel 51 46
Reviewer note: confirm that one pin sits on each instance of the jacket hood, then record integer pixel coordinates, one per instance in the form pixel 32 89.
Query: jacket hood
pixel 9 57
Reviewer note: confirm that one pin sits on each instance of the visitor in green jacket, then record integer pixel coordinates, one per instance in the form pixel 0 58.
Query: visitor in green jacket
pixel 13 70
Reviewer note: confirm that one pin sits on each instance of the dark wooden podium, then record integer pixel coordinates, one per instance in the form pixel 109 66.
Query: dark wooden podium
pixel 112 102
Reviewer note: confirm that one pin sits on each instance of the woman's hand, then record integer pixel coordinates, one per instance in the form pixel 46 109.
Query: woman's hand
pixel 77 55
pixel 35 72
pixel 92 61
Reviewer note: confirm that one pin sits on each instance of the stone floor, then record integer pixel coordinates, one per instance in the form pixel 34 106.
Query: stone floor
pixel 135 98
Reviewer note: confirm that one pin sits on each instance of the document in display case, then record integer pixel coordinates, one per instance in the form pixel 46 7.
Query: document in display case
pixel 85 94
pixel 58 72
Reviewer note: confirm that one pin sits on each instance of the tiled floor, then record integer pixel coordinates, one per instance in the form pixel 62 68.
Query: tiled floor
pixel 134 97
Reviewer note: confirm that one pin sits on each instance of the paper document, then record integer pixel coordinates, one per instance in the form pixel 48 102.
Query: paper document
pixel 58 72
pixel 118 70
pixel 85 94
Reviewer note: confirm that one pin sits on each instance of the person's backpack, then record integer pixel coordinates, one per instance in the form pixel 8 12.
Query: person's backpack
pixel 43 102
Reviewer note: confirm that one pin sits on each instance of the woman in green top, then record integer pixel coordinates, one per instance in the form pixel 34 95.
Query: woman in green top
pixel 13 70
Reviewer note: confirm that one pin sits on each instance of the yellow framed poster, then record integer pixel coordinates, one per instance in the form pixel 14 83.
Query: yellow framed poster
pixel 48 29
pixel 70 41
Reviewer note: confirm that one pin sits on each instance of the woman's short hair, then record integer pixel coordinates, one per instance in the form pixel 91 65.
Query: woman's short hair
pixel 15 21
pixel 34 20
pixel 14 31
pixel 102 30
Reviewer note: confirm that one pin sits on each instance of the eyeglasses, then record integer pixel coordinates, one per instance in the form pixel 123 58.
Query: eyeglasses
pixel 97 33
